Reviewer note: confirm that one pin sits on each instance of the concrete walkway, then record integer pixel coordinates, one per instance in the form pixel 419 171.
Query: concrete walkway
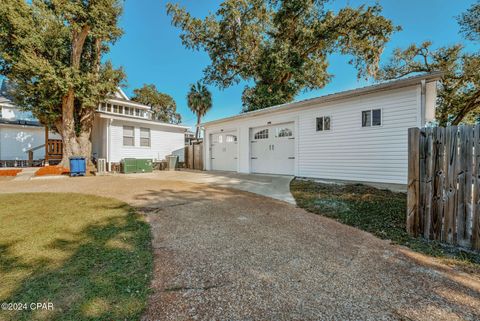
pixel 26 174
pixel 274 186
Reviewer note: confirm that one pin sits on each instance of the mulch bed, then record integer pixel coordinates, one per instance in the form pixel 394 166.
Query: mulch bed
pixel 9 172
pixel 52 170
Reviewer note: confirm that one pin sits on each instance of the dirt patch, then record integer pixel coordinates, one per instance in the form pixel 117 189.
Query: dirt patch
pixel 52 170
pixel 9 172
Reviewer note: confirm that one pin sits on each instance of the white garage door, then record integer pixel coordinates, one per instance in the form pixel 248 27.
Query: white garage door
pixel 223 149
pixel 273 149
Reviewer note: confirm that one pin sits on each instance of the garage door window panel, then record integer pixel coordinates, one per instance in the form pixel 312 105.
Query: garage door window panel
pixel 263 134
pixel 284 132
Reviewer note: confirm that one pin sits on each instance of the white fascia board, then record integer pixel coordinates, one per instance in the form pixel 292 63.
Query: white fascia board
pixel 122 93
pixel 140 121
pixel 127 103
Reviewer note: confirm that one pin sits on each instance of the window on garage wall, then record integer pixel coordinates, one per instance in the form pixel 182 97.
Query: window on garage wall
pixel 145 137
pixel 323 123
pixel 263 134
pixel 371 118
pixel 128 136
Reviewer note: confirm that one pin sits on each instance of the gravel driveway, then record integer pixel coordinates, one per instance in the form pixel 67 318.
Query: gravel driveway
pixel 228 255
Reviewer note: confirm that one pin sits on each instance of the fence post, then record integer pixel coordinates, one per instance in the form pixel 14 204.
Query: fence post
pixel 413 198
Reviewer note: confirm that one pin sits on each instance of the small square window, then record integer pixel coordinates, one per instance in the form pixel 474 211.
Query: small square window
pixel 323 123
pixel 371 118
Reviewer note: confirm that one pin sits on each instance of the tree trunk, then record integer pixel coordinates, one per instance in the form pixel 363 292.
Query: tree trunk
pixel 197 132
pixel 72 146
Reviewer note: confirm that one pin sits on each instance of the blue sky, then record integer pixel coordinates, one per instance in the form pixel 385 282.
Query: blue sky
pixel 151 50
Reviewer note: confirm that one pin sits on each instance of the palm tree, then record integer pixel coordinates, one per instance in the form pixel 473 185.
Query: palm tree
pixel 199 101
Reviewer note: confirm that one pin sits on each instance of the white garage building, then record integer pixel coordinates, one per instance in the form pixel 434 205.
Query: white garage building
pixel 356 135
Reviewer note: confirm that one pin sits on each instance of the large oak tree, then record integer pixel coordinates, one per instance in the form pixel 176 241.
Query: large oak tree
pixel 52 51
pixel 282 47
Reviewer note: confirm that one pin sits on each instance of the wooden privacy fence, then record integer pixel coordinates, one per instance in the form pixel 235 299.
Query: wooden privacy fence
pixel 194 155
pixel 444 184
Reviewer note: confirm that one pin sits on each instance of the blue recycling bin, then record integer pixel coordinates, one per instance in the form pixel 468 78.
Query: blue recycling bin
pixel 78 166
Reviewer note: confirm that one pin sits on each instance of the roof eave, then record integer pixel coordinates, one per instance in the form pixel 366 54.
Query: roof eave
pixel 139 120
pixel 395 84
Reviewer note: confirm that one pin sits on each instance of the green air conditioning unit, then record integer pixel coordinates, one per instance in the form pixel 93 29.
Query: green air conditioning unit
pixel 144 165
pixel 129 165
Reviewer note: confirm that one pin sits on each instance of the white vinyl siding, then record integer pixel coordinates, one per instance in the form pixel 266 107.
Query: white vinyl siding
pixel 163 141
pixel 16 140
pixel 347 151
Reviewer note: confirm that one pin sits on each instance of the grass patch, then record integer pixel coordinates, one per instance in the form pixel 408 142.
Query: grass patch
pixel 89 256
pixel 380 212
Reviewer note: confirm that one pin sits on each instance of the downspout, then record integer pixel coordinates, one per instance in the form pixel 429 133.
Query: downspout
pixel 108 144
pixel 423 102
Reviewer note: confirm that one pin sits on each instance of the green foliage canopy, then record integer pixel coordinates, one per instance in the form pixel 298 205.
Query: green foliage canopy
pixel 52 51
pixel 282 46
pixel 163 106
pixel 459 90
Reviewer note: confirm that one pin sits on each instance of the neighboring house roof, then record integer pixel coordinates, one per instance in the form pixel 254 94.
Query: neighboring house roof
pixel 394 84
pixel 139 120
pixel 121 94
pixel 20 122
pixel 5 101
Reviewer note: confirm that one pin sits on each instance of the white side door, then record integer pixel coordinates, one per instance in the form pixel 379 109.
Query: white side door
pixel 223 151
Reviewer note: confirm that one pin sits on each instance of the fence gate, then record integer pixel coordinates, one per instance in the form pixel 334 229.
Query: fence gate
pixel 194 155
pixel 443 184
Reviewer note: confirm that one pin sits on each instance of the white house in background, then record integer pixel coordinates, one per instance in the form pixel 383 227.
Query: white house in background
pixel 356 135
pixel 19 132
pixel 122 129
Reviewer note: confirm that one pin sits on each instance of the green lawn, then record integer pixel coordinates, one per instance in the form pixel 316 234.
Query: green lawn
pixel 89 256
pixel 380 212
